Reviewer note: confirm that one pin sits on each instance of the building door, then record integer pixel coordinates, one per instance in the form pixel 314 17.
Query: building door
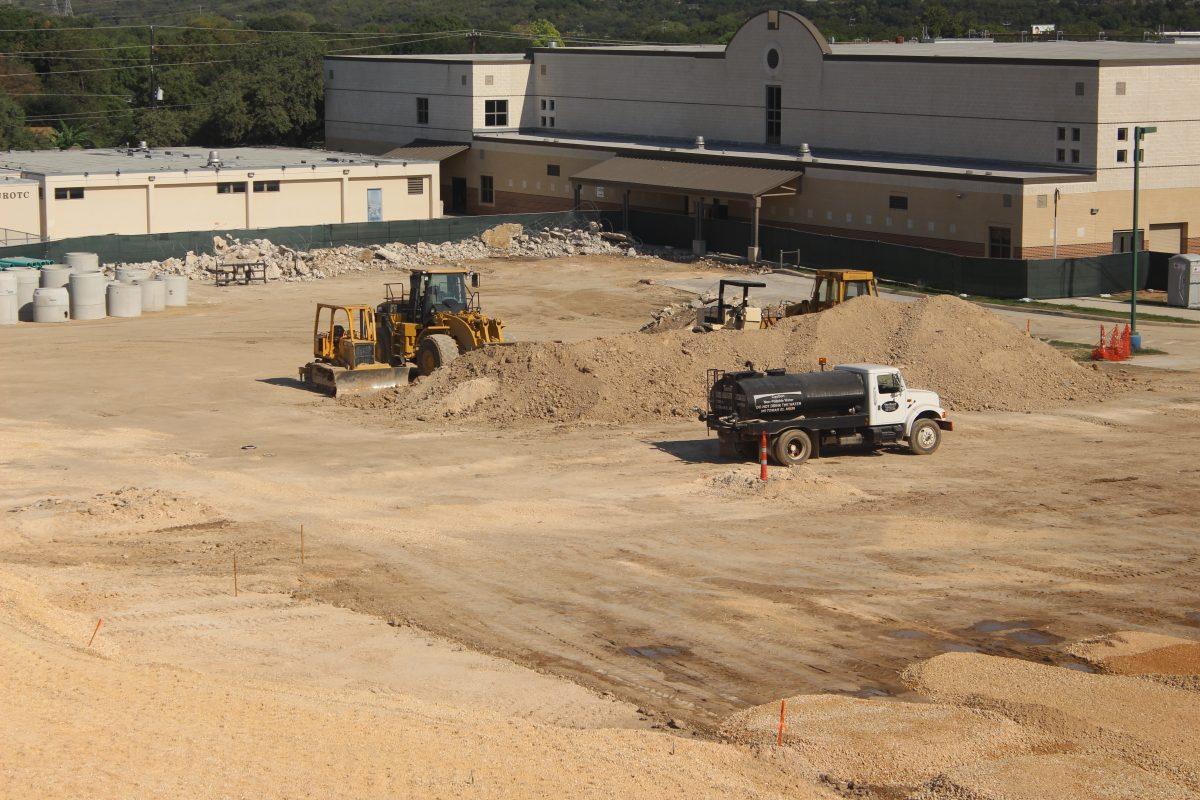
pixel 458 195
pixel 1123 241
pixel 374 205
pixel 1167 238
pixel 999 242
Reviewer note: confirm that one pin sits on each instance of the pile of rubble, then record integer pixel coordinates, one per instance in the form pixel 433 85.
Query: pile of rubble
pixel 288 264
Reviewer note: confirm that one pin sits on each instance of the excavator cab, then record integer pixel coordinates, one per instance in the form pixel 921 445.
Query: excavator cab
pixel 835 286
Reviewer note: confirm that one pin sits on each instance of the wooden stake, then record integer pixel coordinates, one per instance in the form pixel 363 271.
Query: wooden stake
pixel 99 622
pixel 235 592
pixel 301 543
pixel 782 723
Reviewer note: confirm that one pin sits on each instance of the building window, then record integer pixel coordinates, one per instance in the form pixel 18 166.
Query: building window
pixel 772 20
pixel 70 193
pixel 1042 200
pixel 772 58
pixel 487 191
pixel 1074 156
pixel 1122 156
pixel 774 114
pixel 422 110
pixel 231 188
pixel 1074 134
pixel 898 202
pixel 552 170
pixel 1062 134
pixel 1007 201
pixel 495 113
pixel 1000 242
pixel 1121 88
pixel 542 69
pixel 330 74
pixel 1079 89
pixel 464 80
pixel 416 186
pixel 1060 154
pixel 1122 134
pixel 266 186
pixel 488 80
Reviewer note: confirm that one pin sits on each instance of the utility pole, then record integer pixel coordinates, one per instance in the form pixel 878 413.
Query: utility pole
pixel 153 82
pixel 1139 133
pixel 473 40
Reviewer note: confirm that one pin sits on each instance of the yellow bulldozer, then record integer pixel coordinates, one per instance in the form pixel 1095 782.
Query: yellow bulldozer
pixel 346 357
pixel 424 324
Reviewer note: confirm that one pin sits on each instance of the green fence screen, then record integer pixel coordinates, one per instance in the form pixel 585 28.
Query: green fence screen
pixel 990 277
pixel 118 248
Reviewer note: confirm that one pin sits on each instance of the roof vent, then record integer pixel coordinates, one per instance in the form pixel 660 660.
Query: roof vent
pixel 699 143
pixel 805 151
pixel 214 159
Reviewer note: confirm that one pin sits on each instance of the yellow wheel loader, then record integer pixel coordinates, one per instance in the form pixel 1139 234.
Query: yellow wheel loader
pixel 434 318
pixel 346 357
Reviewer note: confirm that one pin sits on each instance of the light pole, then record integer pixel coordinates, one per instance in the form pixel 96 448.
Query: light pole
pixel 1139 133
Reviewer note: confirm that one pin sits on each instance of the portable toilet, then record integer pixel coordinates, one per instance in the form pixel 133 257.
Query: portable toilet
pixel 1183 281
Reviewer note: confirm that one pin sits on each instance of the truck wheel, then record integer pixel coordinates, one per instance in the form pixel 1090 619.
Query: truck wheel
pixel 924 437
pixel 792 448
pixel 436 350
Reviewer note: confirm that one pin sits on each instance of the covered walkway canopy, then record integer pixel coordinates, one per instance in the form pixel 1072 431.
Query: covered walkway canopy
pixel 694 179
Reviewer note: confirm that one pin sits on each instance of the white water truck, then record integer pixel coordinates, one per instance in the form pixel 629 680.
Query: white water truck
pixel 867 404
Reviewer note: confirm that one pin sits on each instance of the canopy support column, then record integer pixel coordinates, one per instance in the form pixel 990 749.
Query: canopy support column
pixel 699 246
pixel 752 253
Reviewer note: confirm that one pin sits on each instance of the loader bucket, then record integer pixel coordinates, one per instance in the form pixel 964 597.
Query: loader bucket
pixel 341 382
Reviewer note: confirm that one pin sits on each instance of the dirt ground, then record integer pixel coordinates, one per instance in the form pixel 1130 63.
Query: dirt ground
pixel 571 610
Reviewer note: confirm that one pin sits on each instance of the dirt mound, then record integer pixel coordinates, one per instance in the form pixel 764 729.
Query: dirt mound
pixel 126 509
pixel 974 359
pixel 1141 653
pixel 800 485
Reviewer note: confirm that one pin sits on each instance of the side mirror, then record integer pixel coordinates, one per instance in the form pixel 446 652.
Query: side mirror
pixel 474 280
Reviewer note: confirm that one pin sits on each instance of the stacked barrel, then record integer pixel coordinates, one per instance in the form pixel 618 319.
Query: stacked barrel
pixel 79 290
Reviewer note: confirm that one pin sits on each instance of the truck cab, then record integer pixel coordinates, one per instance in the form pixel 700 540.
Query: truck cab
pixel 890 401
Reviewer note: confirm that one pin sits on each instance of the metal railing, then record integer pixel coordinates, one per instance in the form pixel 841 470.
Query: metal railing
pixel 8 236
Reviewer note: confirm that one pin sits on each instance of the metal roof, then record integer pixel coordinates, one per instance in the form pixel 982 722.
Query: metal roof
pixel 176 159
pixel 1102 52
pixel 686 176
pixel 426 151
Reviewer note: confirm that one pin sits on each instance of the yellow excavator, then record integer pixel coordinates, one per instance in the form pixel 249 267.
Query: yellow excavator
pixel 434 318
pixel 346 358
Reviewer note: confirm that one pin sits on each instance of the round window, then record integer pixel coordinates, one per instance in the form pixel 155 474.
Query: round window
pixel 772 58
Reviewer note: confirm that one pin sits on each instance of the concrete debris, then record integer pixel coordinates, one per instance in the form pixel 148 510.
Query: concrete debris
pixel 284 263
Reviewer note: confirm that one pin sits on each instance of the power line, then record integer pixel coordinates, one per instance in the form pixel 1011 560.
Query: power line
pixel 111 112
pixel 394 44
pixel 49 54
pixel 111 69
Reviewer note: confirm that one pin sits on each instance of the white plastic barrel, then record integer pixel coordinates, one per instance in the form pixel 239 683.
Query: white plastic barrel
pixel 27 283
pixel 83 262
pixel 8 280
pixel 55 276
pixel 154 294
pixel 131 274
pixel 51 305
pixel 8 305
pixel 124 300
pixel 87 295
pixel 177 289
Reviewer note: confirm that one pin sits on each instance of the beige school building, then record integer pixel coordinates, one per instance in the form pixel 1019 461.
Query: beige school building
pixel 63 194
pixel 979 148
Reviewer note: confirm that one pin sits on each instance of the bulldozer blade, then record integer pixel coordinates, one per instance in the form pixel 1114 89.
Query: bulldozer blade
pixel 341 382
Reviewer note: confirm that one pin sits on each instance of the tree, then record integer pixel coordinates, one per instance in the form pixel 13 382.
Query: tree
pixel 13 133
pixel 937 19
pixel 543 33
pixel 70 136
